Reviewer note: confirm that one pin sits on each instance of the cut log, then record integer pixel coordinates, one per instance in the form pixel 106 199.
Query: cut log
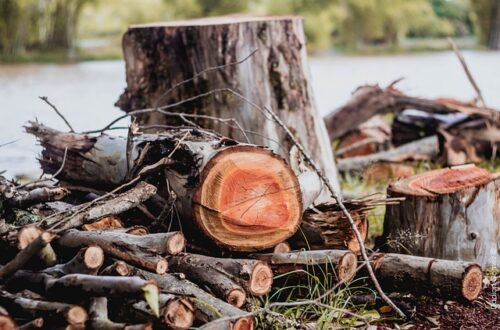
pixel 7 323
pixel 26 254
pixel 406 273
pixel 208 308
pixel 98 318
pixel 326 227
pixel 452 213
pixel 224 188
pixel 28 234
pixel 87 261
pixel 424 149
pixel 158 57
pixel 141 251
pixel 198 269
pixel 117 268
pixel 72 287
pixel 253 275
pixel 344 263
pixel 33 324
pixel 175 312
pixel 54 312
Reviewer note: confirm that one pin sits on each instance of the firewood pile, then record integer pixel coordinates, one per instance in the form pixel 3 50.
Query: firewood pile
pixel 212 198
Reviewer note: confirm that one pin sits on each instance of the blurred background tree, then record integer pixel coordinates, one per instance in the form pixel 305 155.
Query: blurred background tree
pixel 65 25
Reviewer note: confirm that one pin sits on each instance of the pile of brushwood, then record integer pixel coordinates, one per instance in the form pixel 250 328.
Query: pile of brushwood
pixel 112 247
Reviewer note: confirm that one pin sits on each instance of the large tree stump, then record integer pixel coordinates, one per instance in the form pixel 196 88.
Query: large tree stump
pixel 242 197
pixel 452 213
pixel 159 56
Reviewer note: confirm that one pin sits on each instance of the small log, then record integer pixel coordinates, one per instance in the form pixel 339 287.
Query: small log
pixel 140 251
pixel 33 324
pixel 455 279
pixel 344 263
pixel 33 248
pixel 424 149
pixel 28 234
pixel 253 275
pixel 98 318
pixel 72 287
pixel 452 213
pixel 87 261
pixel 222 187
pixel 175 312
pixel 106 223
pixel 326 227
pixel 87 213
pixel 208 308
pixel 23 198
pixel 207 274
pixel 56 312
pixel 117 268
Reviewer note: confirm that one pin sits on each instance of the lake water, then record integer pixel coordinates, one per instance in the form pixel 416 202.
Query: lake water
pixel 85 92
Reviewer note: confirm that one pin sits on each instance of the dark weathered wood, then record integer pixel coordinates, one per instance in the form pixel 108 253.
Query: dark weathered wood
pixel 141 251
pixel 99 320
pixel 325 227
pixel 452 213
pixel 54 312
pixel 117 268
pixel 175 312
pixel 343 263
pixel 87 261
pixel 208 308
pixel 208 274
pixel 406 273
pixel 160 56
pixel 26 254
pixel 33 324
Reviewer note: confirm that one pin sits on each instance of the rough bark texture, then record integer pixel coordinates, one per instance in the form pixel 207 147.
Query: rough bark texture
pixel 326 227
pixel 159 56
pixel 343 263
pixel 452 213
pixel 136 250
pixel 455 279
pixel 224 188
pixel 208 308
pixel 87 261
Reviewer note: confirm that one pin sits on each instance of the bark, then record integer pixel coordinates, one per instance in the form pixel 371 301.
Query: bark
pixel 117 268
pixel 98 318
pixel 406 273
pixel 26 254
pixel 200 270
pixel 370 100
pixel 33 324
pixel 76 286
pixel 134 230
pixel 141 251
pixel 343 263
pixel 275 76
pixel 228 212
pixel 424 149
pixel 87 261
pixel 494 32
pixel 175 312
pixel 28 234
pixel 208 308
pixel 452 213
pixel 325 227
pixel 20 198
pixel 53 312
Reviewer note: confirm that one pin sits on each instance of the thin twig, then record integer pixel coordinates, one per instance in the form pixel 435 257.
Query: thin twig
pixel 7 143
pixel 45 98
pixel 467 72
pixel 52 177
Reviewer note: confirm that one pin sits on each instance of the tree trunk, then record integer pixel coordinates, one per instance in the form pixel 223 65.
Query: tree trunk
pixel 494 33
pixel 452 213
pixel 224 188
pixel 160 56
pixel 455 279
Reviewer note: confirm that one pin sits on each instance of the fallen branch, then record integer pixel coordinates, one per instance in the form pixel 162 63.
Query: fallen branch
pixel 87 261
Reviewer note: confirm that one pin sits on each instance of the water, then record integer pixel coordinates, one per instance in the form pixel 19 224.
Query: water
pixel 86 92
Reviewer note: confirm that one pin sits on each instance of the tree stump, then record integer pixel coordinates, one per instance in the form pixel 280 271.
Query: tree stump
pixel 452 213
pixel 160 56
